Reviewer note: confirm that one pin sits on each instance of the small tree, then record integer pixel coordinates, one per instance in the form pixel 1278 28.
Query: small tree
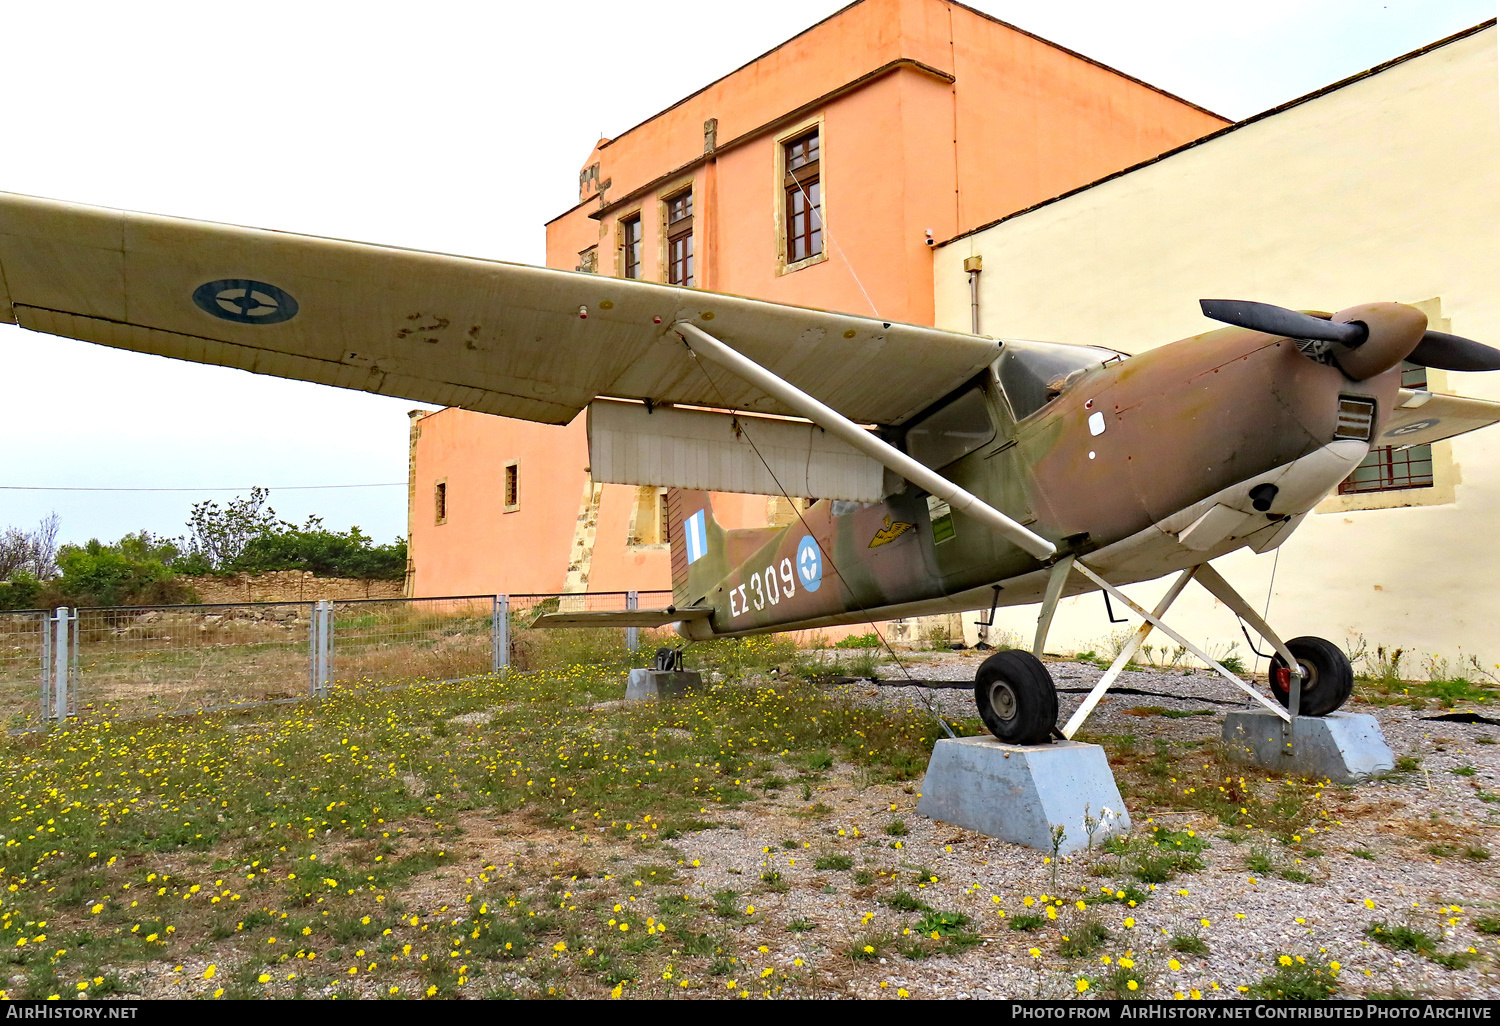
pixel 33 553
pixel 217 536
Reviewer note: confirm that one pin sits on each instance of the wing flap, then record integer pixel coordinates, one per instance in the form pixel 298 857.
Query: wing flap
pixel 722 452
pixel 1426 417
pixel 519 341
pixel 620 617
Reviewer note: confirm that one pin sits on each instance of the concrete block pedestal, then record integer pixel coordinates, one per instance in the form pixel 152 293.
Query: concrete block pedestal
pixel 1342 747
pixel 1018 793
pixel 659 684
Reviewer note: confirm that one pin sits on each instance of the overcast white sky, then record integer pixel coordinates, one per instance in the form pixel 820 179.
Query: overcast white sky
pixel 457 127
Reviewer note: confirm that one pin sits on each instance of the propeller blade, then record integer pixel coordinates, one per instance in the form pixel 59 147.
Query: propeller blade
pixel 1278 320
pixel 1454 352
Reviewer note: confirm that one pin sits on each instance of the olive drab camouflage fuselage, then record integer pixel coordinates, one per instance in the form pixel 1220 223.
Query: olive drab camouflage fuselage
pixel 1117 447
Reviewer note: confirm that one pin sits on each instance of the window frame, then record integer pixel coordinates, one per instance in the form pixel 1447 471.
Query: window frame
pixel 674 232
pixel 440 501
pixel 783 190
pixel 624 267
pixel 510 481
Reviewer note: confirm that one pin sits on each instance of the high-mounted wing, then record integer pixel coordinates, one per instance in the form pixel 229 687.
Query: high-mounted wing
pixel 507 339
pixel 1423 417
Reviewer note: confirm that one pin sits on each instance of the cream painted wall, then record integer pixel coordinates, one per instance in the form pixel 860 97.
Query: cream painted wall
pixel 1385 189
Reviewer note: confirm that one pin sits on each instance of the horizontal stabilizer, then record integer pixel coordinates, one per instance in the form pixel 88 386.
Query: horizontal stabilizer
pixel 621 617
pixel 630 443
pixel 1423 417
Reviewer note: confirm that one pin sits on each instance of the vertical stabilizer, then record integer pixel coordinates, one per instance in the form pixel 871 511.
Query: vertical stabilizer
pixel 698 558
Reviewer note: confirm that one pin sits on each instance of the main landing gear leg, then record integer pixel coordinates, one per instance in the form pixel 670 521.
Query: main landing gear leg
pixel 1049 602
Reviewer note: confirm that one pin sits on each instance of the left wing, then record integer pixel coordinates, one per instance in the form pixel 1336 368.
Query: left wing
pixel 1423 417
pixel 622 617
pixel 500 338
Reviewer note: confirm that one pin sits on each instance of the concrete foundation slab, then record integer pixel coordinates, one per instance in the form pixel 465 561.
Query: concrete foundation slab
pixel 660 684
pixel 1342 747
pixel 1019 793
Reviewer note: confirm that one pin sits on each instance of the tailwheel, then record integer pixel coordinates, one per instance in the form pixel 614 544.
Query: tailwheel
pixel 1328 680
pixel 1016 697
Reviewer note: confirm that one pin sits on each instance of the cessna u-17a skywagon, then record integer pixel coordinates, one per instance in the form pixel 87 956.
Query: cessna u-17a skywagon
pixel 953 472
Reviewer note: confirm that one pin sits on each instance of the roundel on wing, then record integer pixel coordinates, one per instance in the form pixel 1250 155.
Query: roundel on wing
pixel 245 301
pixel 809 563
pixel 1412 428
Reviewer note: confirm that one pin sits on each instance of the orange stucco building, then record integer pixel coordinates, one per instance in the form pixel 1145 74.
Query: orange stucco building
pixel 817 175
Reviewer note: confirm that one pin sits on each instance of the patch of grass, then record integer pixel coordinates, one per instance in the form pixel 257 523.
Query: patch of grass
pixel 896 828
pixel 1127 981
pixel 774 883
pixel 1401 937
pixel 1026 923
pixel 864 877
pixel 1408 763
pixel 1083 940
pixel 801 926
pixel 1477 853
pixel 1487 924
pixel 866 948
pixel 1462 771
pixel 904 901
pixel 1161 710
pixel 834 862
pixel 818 761
pixel 1259 861
pixel 727 904
pixel 1295 876
pixel 1454 959
pixel 1363 853
pixel 1189 944
pixel 1295 979
pixel 941 923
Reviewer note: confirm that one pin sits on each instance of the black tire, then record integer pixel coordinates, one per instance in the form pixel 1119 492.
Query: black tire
pixel 1016 698
pixel 1329 681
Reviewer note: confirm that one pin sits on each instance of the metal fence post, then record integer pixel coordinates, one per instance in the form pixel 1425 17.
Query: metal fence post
pixel 60 665
pixel 500 635
pixel 632 634
pixel 325 645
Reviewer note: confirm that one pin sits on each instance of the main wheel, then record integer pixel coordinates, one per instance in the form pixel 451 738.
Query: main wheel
pixel 1328 678
pixel 1016 697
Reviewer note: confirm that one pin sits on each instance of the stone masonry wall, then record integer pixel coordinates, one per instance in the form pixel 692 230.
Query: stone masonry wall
pixel 288 586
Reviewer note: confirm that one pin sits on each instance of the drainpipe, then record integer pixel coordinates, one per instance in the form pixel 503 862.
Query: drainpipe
pixel 974 265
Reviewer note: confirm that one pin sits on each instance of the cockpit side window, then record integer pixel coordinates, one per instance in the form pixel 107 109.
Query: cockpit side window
pixel 951 432
pixel 1032 374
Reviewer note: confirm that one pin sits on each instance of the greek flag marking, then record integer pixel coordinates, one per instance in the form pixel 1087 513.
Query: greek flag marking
pixel 696 537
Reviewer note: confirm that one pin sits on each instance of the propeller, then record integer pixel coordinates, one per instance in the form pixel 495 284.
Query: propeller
pixel 1436 349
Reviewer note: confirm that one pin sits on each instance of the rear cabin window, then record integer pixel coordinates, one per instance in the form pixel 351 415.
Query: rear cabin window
pixel 1032 374
pixel 952 432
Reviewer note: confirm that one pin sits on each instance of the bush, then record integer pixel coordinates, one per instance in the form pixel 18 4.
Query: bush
pixel 323 553
pixel 134 571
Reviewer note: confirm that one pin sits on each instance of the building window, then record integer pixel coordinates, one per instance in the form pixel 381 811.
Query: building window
pixel 648 517
pixel 680 239
pixel 588 260
pixel 1388 468
pixel 630 246
pixel 804 207
pixel 512 486
pixel 440 502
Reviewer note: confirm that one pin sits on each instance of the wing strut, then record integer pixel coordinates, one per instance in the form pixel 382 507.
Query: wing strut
pixel 704 344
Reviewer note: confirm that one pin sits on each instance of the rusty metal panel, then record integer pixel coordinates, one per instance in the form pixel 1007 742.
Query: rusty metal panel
pixel 630 443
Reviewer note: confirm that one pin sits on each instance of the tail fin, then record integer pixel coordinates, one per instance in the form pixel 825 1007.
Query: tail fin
pixel 698 556
pixel 703 553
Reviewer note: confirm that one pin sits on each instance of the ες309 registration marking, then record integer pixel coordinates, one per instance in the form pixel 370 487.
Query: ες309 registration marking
pixel 771 585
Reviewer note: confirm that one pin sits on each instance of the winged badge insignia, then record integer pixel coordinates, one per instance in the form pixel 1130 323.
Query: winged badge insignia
pixel 890 532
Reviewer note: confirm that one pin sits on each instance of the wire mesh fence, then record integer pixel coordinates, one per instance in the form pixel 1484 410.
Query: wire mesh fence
pixel 164 660
pixel 135 661
pixel 23 639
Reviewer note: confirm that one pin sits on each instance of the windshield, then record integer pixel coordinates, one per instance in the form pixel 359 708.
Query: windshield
pixel 951 432
pixel 1032 374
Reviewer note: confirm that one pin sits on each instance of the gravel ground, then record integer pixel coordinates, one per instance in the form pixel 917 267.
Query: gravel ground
pixel 1251 918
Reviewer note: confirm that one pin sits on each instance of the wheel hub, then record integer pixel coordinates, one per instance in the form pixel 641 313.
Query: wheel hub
pixel 1003 700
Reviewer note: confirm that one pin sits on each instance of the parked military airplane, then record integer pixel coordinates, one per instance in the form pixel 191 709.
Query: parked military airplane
pixel 954 472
